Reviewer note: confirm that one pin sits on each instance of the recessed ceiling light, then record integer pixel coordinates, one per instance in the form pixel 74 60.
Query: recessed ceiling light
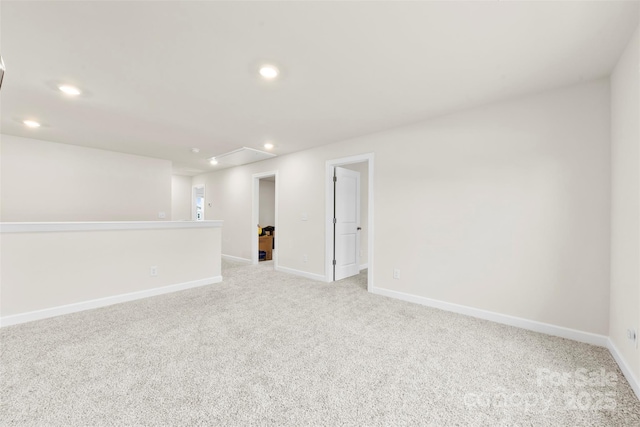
pixel 213 162
pixel 31 123
pixel 269 71
pixel 70 90
pixel 195 150
pixel 268 146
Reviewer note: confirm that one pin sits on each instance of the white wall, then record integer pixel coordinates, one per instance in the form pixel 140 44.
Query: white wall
pixel 363 168
pixel 503 208
pixel 181 194
pixel 47 181
pixel 267 202
pixel 625 203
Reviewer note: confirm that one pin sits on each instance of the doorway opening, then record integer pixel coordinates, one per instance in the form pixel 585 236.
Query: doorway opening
pixel 264 225
pixel 197 203
pixel 349 217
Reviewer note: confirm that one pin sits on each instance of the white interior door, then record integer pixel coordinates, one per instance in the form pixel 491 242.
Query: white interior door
pixel 346 237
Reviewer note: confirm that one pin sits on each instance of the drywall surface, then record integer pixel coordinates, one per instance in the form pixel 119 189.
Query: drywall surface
pixel 506 208
pixel 267 215
pixel 503 208
pixel 47 181
pixel 181 194
pixel 625 203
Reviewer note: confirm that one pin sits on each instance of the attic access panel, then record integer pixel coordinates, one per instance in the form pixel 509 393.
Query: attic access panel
pixel 243 156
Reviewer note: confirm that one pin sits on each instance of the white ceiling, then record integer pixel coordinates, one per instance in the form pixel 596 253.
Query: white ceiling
pixel 162 77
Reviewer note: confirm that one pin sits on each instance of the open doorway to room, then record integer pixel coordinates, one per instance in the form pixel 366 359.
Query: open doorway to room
pixel 349 218
pixel 265 218
pixel 197 203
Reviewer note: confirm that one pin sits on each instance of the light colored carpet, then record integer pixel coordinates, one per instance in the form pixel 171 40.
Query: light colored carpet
pixel 266 348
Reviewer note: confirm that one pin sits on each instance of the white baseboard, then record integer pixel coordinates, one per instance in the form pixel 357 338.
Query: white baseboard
pixel 531 325
pixel 236 258
pixel 626 371
pixel 102 302
pixel 364 267
pixel 306 274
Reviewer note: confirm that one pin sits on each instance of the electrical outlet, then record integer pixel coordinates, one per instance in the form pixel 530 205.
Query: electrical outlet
pixel 396 273
pixel 305 258
pixel 162 215
pixel 153 271
pixel 632 336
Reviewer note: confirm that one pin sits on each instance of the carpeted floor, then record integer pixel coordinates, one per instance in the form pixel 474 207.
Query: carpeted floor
pixel 267 348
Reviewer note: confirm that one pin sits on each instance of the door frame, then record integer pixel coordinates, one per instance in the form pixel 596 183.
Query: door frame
pixel 330 165
pixel 255 214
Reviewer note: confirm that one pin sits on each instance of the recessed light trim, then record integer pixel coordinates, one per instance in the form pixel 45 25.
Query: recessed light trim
pixel 269 72
pixel 69 90
pixel 268 146
pixel 31 123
